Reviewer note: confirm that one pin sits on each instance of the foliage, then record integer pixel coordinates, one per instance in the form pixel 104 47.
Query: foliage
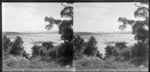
pixel 52 53
pixel 140 51
pixel 6 45
pixel 91 48
pixel 38 50
pixel 78 46
pixel 119 51
pixel 121 45
pixel 140 28
pixel 65 26
pixel 47 45
pixel 112 50
pixel 64 53
pixel 17 48
pixel 65 29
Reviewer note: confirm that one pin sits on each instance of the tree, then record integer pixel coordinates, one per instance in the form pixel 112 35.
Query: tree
pixel 91 48
pixel 17 48
pixel 78 42
pixel 65 28
pixel 6 45
pixel 47 45
pixel 140 28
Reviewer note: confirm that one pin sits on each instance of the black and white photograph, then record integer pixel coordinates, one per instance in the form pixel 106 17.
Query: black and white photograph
pixel 75 36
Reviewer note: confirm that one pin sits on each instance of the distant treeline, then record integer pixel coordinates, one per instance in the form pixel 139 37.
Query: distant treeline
pixel 56 32
pixel 98 33
pixel 25 33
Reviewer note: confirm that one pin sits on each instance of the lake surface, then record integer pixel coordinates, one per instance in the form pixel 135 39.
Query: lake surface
pixel 102 39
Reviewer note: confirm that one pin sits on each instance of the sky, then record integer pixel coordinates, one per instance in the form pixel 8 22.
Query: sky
pixel 88 17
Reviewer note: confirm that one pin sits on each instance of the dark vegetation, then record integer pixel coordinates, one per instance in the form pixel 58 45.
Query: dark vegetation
pixel 13 48
pixel 139 53
pixel 17 48
pixel 61 51
pixel 66 32
pixel 91 49
pixel 27 33
pixel 140 28
pixel 48 52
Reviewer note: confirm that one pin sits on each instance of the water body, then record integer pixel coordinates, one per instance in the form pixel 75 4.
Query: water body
pixel 102 39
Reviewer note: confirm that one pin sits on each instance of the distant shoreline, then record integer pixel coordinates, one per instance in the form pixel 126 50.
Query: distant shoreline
pixel 56 32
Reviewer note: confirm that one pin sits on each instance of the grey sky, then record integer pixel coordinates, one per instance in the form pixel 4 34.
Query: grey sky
pixel 90 17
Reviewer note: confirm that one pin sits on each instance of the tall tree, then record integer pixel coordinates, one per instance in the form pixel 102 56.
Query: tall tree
pixel 65 27
pixel 140 28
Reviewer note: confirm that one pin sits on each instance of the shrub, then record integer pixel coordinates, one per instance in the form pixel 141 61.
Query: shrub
pixel 17 48
pixel 38 50
pixel 6 45
pixel 59 52
pixel 112 51
pixel 35 49
pixel 109 49
pixel 121 45
pixel 47 45
pixel 91 48
pixel 53 52
pixel 78 46
pixel 66 50
pixel 141 52
pixel 64 53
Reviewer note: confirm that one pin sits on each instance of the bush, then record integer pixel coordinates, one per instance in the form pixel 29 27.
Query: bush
pixel 47 45
pixel 38 50
pixel 6 45
pixel 121 45
pixel 140 52
pixel 65 50
pixel 91 49
pixel 109 49
pixel 60 52
pixel 112 51
pixel 78 46
pixel 17 48
pixel 52 53
pixel 64 53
